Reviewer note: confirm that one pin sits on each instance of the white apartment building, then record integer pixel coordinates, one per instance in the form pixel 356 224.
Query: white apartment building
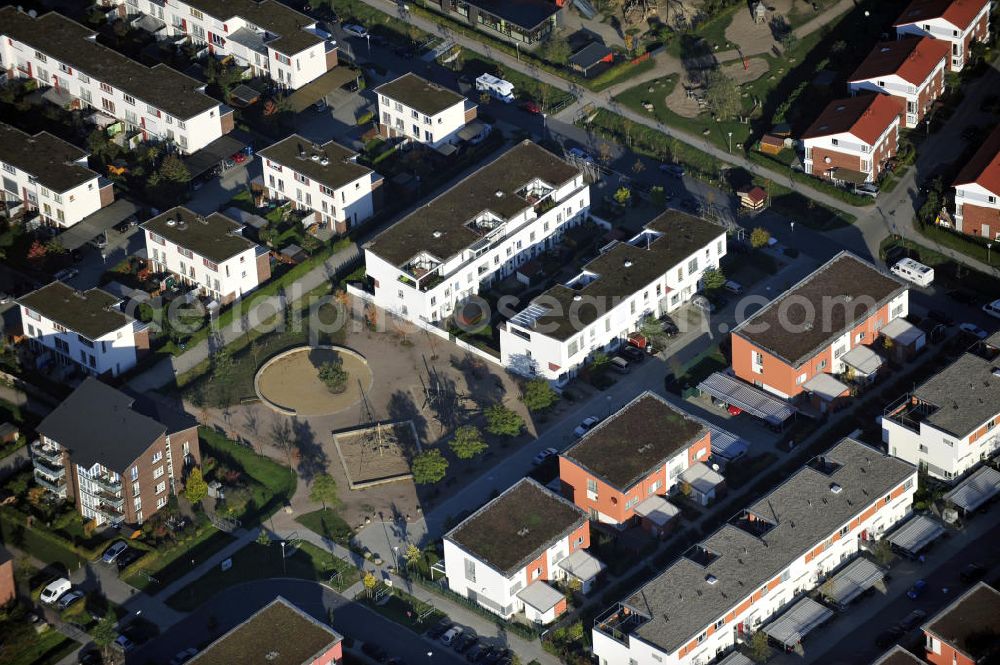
pixel 951 422
pixel 157 102
pixel 209 252
pixel 83 328
pixel 479 231
pixel 504 554
pixel 655 272
pixel 977 191
pixel 762 561
pixel 48 175
pixel 416 109
pixel 853 138
pixel 326 179
pixel 958 22
pixel 268 38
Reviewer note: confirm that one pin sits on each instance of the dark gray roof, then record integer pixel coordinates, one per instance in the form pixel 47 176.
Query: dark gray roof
pixel 966 394
pixel 680 603
pixel 92 313
pixel 215 237
pixel 296 152
pixel 590 55
pixel 971 624
pixel 808 316
pixel 898 656
pixel 52 161
pixel 98 424
pixel 285 26
pixel 420 94
pixel 69 42
pixel 526 14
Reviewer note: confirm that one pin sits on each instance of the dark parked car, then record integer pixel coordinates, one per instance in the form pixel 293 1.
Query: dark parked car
pixel 89 657
pixel 963 296
pixel 912 620
pixel 440 629
pixel 888 637
pixel 465 642
pixel 972 573
pixel 476 652
pixel 496 655
pixel 941 317
pixel 916 590
pixel 129 556
pixel 374 651
pixel 633 354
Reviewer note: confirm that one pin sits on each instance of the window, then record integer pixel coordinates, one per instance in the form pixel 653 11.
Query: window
pixel 923 448
pixel 106 88
pixel 300 178
pixel 134 473
pixel 821 365
pixel 283 59
pixel 158 472
pixel 720 623
pixel 844 530
pixel 197 14
pixel 40 57
pixel 162 501
pixel 470 571
pixel 693 265
pixel 9 169
pixel 185 252
pixel 161 487
pixel 83 77
pixel 135 489
pixel 65 69
pixel 129 99
pixel 108 105
pixel 591 485
pixel 157 456
pixel 835 141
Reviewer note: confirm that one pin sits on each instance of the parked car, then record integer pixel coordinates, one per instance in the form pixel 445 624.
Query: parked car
pixel 467 641
pixel 675 170
pixel 974 330
pixel 69 598
pixel 733 287
pixel 912 620
pixel 619 365
pixel 579 153
pixel 669 327
pixel 888 637
pixel 734 410
pixel 867 189
pixel 940 317
pixel 972 573
pixel 476 653
pixel 916 590
pixel 355 30
pixel 439 629
pixel 182 657
pixel 114 550
pixel 451 635
pixel 962 296
pixel 128 557
pixel 993 308
pixel 531 107
pixel 703 303
pixel 588 424
pixel 89 657
pixel 65 274
pixel 124 643
pixel 544 455
pixel 496 655
pixel 633 353
pixel 55 590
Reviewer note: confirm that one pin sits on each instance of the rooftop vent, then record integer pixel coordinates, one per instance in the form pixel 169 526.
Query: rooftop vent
pixel 171 222
pixel 436 234
pixel 628 264
pixel 712 579
pixel 577 298
pixel 835 488
pixel 841 108
pixel 302 151
pixel 498 194
pixel 315 158
pixel 996 371
pixel 324 161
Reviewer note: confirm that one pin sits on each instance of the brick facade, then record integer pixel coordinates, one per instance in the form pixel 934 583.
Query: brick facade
pixel 980 220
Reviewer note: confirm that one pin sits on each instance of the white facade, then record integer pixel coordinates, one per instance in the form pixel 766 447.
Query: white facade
pixel 432 130
pixel 946 457
pixel 63 209
pixel 974 194
pixel 940 28
pixel 897 86
pixel 852 147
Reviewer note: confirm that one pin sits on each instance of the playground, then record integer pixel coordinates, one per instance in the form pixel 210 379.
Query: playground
pixel 290 383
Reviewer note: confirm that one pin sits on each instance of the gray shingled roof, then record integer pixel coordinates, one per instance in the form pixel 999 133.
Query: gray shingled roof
pixel 418 93
pixel 966 392
pixel 52 161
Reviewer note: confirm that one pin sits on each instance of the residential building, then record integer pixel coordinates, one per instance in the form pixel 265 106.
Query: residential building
pixel 157 102
pixel 118 459
pixel 910 70
pixel 898 656
pixel 478 232
pixel 524 22
pixel 958 22
pixel 280 633
pixel 85 329
pixel 326 179
pixel 268 38
pixel 413 108
pixel 43 173
pixel 951 422
pixel 8 585
pixel 763 560
pixel 654 272
pixel 800 341
pixel 208 252
pixel 977 191
pixel 505 555
pixel 637 454
pixel 967 632
pixel 853 138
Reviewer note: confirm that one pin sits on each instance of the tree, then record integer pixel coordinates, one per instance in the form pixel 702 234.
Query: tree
pixel 334 377
pixel 501 421
pixel 370 581
pixel 651 328
pixel 282 436
pixel 538 395
pixel 263 538
pixel 195 489
pixel 556 50
pixel 468 442
pixel 722 96
pixel 605 153
pixel 713 279
pixel 882 551
pixel 173 169
pixel 658 196
pixel 429 467
pixel 104 632
pixel 760 650
pixel 324 490
pixel 759 237
pixel 622 195
pixel 413 555
pixel 932 205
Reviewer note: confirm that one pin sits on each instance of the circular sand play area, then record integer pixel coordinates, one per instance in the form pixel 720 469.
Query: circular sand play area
pixel 289 382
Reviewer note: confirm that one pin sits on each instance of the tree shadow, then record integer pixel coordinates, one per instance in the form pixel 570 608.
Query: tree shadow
pixel 312 457
pixel 483 387
pixel 401 407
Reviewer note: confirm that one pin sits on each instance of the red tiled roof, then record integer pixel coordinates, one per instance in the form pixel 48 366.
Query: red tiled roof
pixel 957 12
pixel 864 116
pixel 913 59
pixel 755 195
pixel 984 167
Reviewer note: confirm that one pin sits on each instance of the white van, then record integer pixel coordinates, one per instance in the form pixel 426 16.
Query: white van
pixel 53 591
pixel 913 271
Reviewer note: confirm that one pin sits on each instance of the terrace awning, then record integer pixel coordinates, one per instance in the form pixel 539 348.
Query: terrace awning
pixel 916 534
pixel 320 87
pixel 540 596
pixel 657 510
pixel 863 360
pixel 752 400
pixel 856 578
pixel 727 445
pixel 975 490
pixel 825 386
pixel 793 625
pixel 582 566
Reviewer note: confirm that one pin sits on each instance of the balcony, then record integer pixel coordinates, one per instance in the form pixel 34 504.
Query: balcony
pixel 51 454
pixel 49 470
pixel 109 512
pixel 106 484
pixel 908 412
pixel 618 622
pixel 58 488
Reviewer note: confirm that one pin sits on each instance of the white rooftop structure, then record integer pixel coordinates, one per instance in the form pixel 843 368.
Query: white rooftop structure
pixel 540 596
pixel 701 478
pixel 856 578
pixel 581 565
pixel 901 331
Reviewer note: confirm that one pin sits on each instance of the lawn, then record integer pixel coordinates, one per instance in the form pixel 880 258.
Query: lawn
pixel 329 524
pixel 45 547
pixel 972 247
pixel 165 566
pixel 23 646
pixel 405 610
pixel 948 273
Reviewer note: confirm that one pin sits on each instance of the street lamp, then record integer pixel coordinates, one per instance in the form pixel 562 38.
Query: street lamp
pixel 989 246
pixel 283 557
pixel 730 143
pixel 429 654
pixel 608 398
pixel 395 557
pixel 368 40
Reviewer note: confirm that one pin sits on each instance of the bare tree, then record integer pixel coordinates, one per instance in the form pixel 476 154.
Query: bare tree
pixel 282 436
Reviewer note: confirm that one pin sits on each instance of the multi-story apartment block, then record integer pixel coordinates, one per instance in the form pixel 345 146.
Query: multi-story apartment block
pixel 977 191
pixel 83 328
pixel 951 422
pixel 852 139
pixel 208 252
pixel 958 22
pixel 326 179
pixel 805 334
pixel 761 561
pixel 278 633
pixel 479 231
pixel 654 272
pixel 160 103
pixel 270 39
pixel 504 554
pixel 638 453
pixel 967 632
pixel 44 173
pixel 415 109
pixel 524 22
pixel 120 461
pixel 909 70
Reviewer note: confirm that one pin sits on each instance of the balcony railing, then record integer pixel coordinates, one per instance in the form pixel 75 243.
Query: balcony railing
pixel 53 471
pixel 618 622
pixel 106 484
pixel 58 487
pixel 50 454
pixel 908 413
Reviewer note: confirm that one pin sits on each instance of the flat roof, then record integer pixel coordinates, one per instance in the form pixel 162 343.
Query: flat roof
pixel 52 161
pixel 863 359
pixel 540 595
pixel 286 28
pixel 439 227
pixel 516 527
pixel 297 153
pixel 639 437
pixel 916 533
pixel 582 565
pixel 657 510
pixel 966 394
pixel 975 490
pixel 420 94
pixel 831 300
pixel 680 603
pixel 215 237
pixel 898 656
pixel 92 313
pixel 971 624
pixel 527 14
pixel 902 331
pixel 278 634
pixel 69 42
pixel 590 55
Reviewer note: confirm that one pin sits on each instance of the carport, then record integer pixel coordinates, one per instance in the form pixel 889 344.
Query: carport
pixel 319 88
pixel 916 534
pixel 735 658
pixel 747 398
pixel 202 161
pixel 94 225
pixel 975 490
pixel 856 578
pixel 792 626
pixel 727 445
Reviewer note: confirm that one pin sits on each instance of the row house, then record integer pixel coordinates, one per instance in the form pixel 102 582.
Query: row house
pixel 157 102
pixel 951 422
pixel 761 561
pixel 909 70
pixel 267 38
pixel 966 632
pixel 323 178
pixel 208 252
pixel 853 138
pixel 477 232
pixel 414 109
pixel 118 459
pixel 81 329
pixel 958 23
pixel 637 455
pixel 506 554
pixel 43 173
pixel 655 272
pixel 524 22
pixel 977 191
pixel 819 329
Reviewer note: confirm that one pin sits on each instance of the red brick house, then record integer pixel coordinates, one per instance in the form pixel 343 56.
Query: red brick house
pixel 852 138
pixel 967 632
pixel 8 586
pixel 957 22
pixel 977 191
